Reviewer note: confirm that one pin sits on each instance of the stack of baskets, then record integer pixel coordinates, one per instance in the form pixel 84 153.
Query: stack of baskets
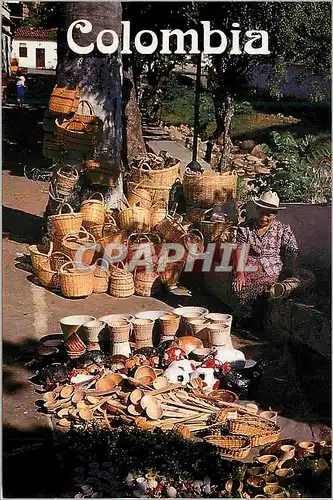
pixel 143 332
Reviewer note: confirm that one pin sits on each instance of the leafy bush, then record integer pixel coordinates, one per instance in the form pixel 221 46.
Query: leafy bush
pixel 243 108
pixel 300 170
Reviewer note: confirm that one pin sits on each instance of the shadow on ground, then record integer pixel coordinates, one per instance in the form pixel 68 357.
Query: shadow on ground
pixel 20 226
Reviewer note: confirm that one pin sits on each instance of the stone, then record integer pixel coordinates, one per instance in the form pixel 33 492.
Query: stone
pixel 247 145
pixel 175 134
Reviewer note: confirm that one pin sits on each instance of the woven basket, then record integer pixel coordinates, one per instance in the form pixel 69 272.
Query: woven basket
pixel 64 100
pixel 143 329
pixel 97 230
pixel 134 219
pixel 158 212
pixel 51 148
pixel 258 430
pixel 120 330
pixel 219 335
pixel 64 181
pixel 209 188
pixel 121 282
pixel 138 196
pixel 38 257
pixel 194 214
pixel 171 229
pixel 78 240
pixel 93 211
pixel 231 446
pixel 62 224
pixel 156 193
pixel 101 276
pixel 169 324
pixel 147 283
pixel 46 276
pixel 144 244
pixel 194 242
pixel 76 136
pixel 57 260
pixel 76 280
pixel 215 231
pixel 171 274
pixel 86 118
pixel 111 235
pixel 162 177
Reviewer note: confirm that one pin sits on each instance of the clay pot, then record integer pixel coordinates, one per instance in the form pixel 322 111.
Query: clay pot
pixel 288 453
pixel 226 319
pixel 200 354
pixel 270 480
pixel 269 462
pixel 306 446
pixel 269 415
pixel 255 483
pixel 71 324
pixel 189 344
pixel 256 471
pixel 284 473
pixel 275 491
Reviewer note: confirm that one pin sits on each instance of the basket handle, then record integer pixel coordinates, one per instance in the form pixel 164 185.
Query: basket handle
pixel 65 124
pixel 102 261
pixel 127 205
pixel 62 268
pixel 206 212
pixel 111 219
pixel 51 249
pixel 89 106
pixel 73 171
pixel 97 194
pixel 191 231
pixel 159 202
pixel 64 205
pixel 138 235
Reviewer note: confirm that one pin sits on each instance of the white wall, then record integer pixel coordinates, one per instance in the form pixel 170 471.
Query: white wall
pixel 30 61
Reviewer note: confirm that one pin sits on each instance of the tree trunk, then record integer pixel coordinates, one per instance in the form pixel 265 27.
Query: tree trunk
pixel 99 77
pixel 134 144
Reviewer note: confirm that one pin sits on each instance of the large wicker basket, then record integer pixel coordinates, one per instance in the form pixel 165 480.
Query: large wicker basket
pixel 171 229
pixel 93 210
pixel 64 100
pixel 76 136
pixel 76 280
pixel 209 188
pixel 62 224
pixel 121 282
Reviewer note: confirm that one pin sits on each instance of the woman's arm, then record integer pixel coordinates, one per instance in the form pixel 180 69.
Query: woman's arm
pixel 289 253
pixel 241 238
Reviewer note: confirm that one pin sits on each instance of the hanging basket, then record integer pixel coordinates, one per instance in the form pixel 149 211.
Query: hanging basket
pixel 64 181
pixel 134 219
pixel 121 282
pixel 38 255
pixel 81 241
pixel 209 188
pixel 147 283
pixel 93 211
pixel 76 280
pixel 101 276
pixel 64 100
pixel 62 224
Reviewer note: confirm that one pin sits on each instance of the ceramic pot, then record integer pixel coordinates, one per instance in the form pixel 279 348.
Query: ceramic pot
pixel 306 446
pixel 176 374
pixel 284 476
pixel 255 483
pixel 275 491
pixel 219 318
pixel 208 376
pixel 121 348
pixel 71 324
pixel 200 354
pixel 189 344
pixel 235 357
pixel 288 452
pixel 270 480
pixel 269 462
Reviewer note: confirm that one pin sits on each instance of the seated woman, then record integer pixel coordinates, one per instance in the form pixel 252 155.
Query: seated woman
pixel 271 246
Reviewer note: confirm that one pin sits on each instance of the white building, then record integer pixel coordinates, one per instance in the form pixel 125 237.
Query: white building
pixel 35 47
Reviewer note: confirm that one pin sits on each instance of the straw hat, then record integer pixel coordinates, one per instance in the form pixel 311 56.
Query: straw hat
pixel 269 200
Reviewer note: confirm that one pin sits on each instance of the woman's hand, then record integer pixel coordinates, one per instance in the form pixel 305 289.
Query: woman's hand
pixel 239 282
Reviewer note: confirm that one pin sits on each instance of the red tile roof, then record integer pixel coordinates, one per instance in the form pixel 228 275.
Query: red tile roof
pixel 29 33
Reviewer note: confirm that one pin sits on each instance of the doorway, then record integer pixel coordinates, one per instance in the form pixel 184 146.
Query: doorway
pixel 40 58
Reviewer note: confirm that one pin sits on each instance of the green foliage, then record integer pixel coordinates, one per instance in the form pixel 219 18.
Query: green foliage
pixel 42 14
pixel 300 170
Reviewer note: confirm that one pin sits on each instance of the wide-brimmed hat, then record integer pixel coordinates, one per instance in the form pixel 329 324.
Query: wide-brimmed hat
pixel 269 200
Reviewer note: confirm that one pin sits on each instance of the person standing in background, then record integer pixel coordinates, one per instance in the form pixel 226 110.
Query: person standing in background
pixel 20 89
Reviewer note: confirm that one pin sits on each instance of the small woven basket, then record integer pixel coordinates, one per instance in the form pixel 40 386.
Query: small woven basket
pixel 79 241
pixel 237 447
pixel 215 231
pixel 138 196
pixel 134 219
pixel 38 255
pixel 171 229
pixel 101 276
pixel 63 182
pixel 76 280
pixel 158 212
pixel 62 224
pixel 219 334
pixel 93 211
pixel 120 330
pixel 169 324
pixel 57 260
pixel 147 283
pixel 171 273
pixel 121 282
pixel 143 329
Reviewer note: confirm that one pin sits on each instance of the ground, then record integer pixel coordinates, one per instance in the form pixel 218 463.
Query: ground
pixel 30 312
